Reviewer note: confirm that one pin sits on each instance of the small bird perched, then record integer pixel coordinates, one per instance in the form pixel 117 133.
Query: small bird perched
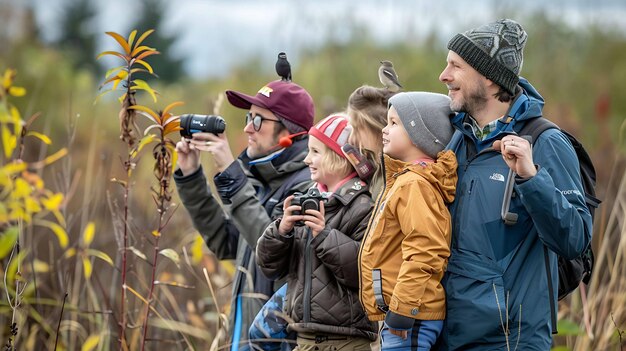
pixel 388 76
pixel 283 68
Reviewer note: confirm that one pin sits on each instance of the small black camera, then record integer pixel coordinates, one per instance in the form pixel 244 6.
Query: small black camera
pixel 191 124
pixel 308 201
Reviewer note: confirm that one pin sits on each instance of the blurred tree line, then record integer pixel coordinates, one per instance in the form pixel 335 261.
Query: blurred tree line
pixel 579 72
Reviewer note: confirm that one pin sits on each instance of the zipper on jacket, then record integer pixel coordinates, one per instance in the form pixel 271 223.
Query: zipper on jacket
pixel 469 192
pixel 306 299
pixel 369 229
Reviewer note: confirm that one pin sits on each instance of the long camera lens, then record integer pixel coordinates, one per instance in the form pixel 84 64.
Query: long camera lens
pixel 191 124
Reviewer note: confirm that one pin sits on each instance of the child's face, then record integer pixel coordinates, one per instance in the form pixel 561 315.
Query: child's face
pixel 315 160
pixel 396 141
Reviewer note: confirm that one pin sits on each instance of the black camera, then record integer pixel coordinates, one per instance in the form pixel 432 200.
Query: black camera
pixel 308 201
pixel 191 124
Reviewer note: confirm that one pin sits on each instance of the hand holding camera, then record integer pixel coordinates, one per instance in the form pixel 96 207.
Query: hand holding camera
pixel 304 209
pixel 202 133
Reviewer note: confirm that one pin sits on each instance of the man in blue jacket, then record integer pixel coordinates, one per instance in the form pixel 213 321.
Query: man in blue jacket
pixel 496 283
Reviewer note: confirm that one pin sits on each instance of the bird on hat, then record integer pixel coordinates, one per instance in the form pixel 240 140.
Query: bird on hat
pixel 388 77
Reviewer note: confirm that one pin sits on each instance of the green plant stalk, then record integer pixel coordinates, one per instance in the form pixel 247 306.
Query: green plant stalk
pixel 127 125
pixel 162 173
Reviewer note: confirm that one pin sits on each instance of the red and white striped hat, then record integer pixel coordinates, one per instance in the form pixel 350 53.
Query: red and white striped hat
pixel 333 131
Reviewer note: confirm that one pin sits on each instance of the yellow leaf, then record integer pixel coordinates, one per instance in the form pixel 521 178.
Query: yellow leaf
pixel 7 241
pixel 31 205
pixel 88 233
pixel 171 106
pixel 9 141
pixel 52 202
pixel 41 266
pixel 174 160
pixel 41 137
pixel 14 167
pixel 120 39
pixel 131 37
pixel 148 110
pixel 145 54
pixel 70 252
pixel 21 189
pixel 7 78
pixel 196 249
pixel 143 36
pixel 16 118
pixel 172 255
pixel 91 342
pixel 87 267
pixel 156 233
pixel 142 85
pixel 101 255
pixel 139 49
pixel 143 142
pixel 17 91
pixel 114 53
pixel 145 64
pixel 55 157
pixel 110 72
pixel 57 230
pixel 171 127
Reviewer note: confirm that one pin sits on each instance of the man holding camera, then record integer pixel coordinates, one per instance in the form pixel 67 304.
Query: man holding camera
pixel 252 187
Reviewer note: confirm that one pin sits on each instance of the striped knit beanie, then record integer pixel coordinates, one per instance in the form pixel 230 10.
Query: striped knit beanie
pixel 333 131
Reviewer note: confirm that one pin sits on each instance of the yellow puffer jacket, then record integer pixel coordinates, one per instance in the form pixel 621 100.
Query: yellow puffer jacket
pixel 408 239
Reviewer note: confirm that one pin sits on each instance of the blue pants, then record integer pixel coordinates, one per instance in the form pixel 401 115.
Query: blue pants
pixel 421 337
pixel 268 331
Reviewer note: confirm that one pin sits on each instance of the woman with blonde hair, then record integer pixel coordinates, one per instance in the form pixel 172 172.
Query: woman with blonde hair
pixel 367 110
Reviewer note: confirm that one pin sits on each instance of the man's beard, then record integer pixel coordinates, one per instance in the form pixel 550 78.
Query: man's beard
pixel 475 102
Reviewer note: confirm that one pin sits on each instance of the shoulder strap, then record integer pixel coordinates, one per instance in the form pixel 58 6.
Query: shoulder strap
pixel 534 127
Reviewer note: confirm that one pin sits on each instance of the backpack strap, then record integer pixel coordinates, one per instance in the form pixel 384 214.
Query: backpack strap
pixel 531 131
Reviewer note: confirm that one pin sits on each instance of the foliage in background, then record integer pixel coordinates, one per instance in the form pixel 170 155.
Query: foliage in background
pixel 152 14
pixel 77 39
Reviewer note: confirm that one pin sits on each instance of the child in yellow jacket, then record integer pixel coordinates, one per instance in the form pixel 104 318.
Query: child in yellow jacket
pixel 407 244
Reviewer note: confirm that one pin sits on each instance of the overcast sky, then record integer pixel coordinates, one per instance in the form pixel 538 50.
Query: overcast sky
pixel 224 32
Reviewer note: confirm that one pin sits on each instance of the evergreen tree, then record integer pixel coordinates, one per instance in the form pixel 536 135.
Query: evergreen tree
pixel 78 37
pixel 168 67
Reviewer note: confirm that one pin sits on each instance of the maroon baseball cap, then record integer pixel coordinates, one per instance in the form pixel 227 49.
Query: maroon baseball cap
pixel 287 100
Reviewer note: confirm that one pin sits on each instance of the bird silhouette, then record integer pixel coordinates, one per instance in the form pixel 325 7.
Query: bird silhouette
pixel 388 76
pixel 283 68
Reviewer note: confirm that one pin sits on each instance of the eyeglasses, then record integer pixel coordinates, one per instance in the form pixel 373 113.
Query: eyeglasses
pixel 257 120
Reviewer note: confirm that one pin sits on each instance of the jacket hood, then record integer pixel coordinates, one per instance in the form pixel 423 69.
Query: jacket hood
pixel 441 173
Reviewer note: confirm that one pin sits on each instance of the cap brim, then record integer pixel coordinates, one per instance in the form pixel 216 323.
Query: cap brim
pixel 243 101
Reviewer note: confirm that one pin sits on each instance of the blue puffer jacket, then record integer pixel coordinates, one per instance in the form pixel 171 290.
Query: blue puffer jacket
pixel 494 266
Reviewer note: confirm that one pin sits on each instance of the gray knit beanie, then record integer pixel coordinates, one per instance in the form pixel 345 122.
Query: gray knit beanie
pixel 426 118
pixel 495 50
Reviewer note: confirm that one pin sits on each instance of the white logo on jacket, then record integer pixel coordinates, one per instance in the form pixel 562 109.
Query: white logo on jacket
pixel 497 176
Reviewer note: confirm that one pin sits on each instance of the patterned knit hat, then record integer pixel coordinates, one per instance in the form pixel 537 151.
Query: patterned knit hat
pixel 495 50
pixel 333 131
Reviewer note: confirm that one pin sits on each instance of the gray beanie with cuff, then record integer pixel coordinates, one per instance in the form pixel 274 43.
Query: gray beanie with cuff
pixel 496 50
pixel 426 118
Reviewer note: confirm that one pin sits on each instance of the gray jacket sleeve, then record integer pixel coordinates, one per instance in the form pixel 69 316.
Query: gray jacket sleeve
pixel 206 214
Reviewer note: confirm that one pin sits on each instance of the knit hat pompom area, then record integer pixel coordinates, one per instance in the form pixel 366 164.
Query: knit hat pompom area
pixel 426 118
pixel 496 50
